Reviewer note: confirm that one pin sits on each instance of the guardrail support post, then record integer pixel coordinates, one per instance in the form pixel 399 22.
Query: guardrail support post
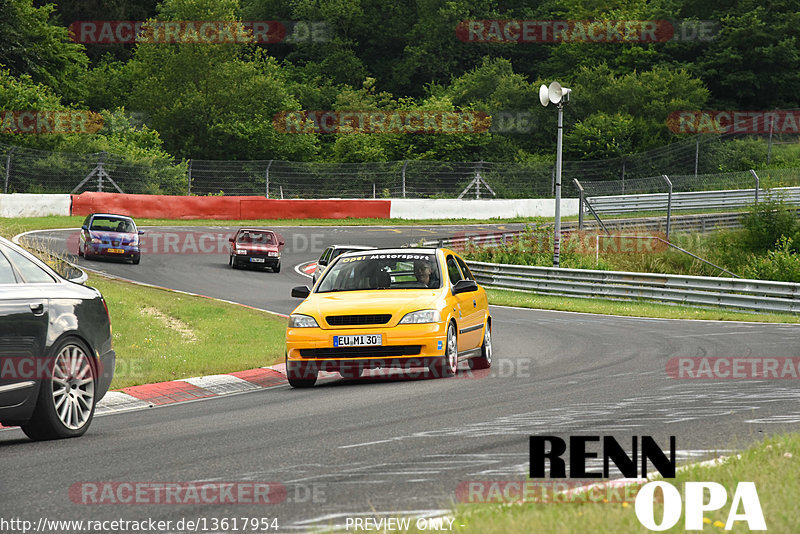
pixel 8 169
pixel 266 176
pixel 189 179
pixel 757 183
pixel 669 203
pixel 405 164
pixel 580 203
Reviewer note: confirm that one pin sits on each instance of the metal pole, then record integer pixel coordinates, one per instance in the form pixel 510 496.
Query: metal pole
pixel 8 169
pixel 557 230
pixel 669 204
pixel 189 179
pixel 405 164
pixel 580 203
pixel 757 183
pixel 696 153
pixel 769 146
pixel 266 176
pixel 623 176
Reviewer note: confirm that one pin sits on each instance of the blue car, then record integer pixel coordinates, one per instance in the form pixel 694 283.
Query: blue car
pixel 110 236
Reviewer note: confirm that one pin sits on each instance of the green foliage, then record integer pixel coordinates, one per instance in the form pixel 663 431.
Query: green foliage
pixel 32 44
pixel 217 101
pixel 782 263
pixel 766 224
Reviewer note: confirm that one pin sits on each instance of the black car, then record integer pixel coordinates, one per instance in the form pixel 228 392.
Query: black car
pixel 56 360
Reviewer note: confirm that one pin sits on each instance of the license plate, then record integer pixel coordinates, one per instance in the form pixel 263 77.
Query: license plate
pixel 116 251
pixel 366 340
pixel 257 260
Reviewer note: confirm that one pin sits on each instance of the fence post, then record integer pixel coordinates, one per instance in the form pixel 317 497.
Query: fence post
pixel 757 183
pixel 189 179
pixel 623 176
pixel 405 164
pixel 266 176
pixel 580 203
pixel 669 204
pixel 696 153
pixel 8 169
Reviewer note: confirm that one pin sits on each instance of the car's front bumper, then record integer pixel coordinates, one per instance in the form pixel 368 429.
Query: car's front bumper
pixel 114 251
pixel 259 260
pixel 403 346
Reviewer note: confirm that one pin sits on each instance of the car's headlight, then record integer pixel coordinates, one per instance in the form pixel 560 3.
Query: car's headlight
pixel 97 240
pixel 241 251
pixel 297 320
pixel 274 254
pixel 422 316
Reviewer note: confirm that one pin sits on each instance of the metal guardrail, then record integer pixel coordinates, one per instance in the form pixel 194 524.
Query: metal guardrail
pixel 692 200
pixel 734 293
pixel 695 223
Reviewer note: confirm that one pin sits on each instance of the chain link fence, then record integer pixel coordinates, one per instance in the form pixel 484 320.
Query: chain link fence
pixel 692 164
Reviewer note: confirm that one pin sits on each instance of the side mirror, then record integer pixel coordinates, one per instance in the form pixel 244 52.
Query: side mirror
pixel 301 292
pixel 322 262
pixel 465 286
pixel 84 227
pixel 141 232
pixel 281 242
pixel 230 239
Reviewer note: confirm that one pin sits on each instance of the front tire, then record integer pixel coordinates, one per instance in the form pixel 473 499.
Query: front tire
pixel 66 401
pixel 136 260
pixel 277 268
pixel 484 361
pixel 301 375
pixel 446 366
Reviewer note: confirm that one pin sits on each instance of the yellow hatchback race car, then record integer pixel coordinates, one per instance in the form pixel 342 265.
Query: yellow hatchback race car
pixel 389 308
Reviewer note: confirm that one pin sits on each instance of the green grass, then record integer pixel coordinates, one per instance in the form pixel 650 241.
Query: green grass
pixel 161 335
pixel 10 227
pixel 772 465
pixel 501 297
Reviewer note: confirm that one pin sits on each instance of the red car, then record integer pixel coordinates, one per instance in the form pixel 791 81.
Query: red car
pixel 256 247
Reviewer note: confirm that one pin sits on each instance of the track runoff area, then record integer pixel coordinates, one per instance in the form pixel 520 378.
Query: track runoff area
pixel 570 400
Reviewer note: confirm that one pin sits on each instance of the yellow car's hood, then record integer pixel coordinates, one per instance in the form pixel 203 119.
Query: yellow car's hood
pixel 398 302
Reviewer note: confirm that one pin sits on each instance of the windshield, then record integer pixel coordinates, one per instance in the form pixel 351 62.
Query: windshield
pixel 382 271
pixel 257 238
pixel 112 224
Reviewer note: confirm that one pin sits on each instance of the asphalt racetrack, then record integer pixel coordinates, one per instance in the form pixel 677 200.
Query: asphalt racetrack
pixel 385 447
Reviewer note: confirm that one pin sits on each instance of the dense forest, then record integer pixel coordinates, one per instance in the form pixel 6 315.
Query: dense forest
pixel 168 100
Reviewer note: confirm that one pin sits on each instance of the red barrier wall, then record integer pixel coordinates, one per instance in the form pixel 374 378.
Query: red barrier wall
pixel 231 208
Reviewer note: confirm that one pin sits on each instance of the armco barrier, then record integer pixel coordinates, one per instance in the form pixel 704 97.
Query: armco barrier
pixel 738 293
pixel 226 207
pixel 480 209
pixel 691 200
pixel 33 205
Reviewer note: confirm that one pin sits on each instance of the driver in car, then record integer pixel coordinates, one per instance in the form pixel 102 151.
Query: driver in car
pixel 422 271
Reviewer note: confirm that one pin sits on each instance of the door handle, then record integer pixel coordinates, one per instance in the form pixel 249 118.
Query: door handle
pixel 37 308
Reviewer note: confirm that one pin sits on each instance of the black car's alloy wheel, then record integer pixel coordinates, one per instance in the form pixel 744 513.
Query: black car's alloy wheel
pixel 66 402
